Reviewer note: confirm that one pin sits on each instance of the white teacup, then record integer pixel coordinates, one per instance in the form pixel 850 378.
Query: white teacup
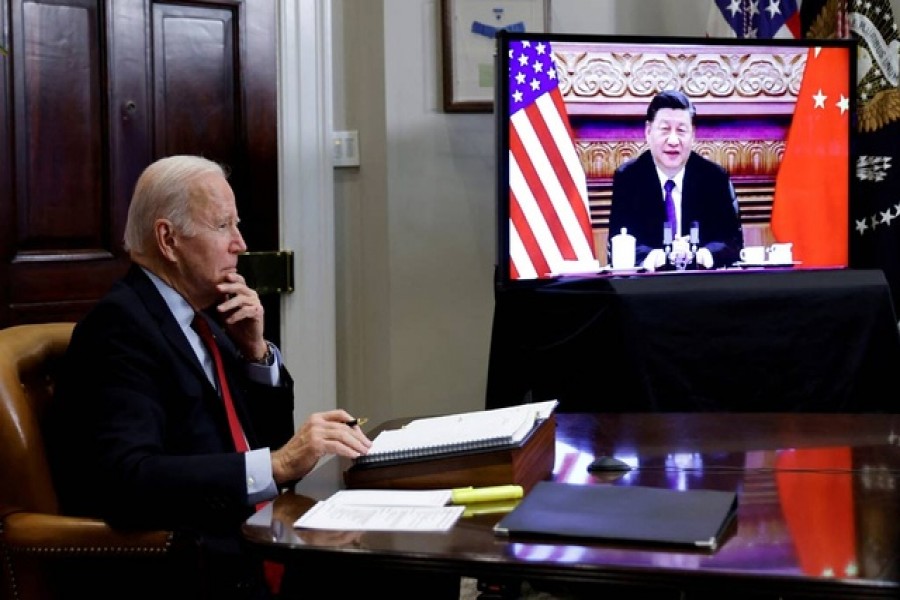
pixel 781 253
pixel 753 254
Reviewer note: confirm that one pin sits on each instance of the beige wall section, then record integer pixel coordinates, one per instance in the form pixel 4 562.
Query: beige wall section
pixel 362 206
pixel 415 222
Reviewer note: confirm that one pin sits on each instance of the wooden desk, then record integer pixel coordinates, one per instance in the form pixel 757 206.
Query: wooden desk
pixel 792 341
pixel 819 499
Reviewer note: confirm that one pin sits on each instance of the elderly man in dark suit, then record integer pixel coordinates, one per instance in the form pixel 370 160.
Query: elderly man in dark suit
pixel 145 435
pixel 702 195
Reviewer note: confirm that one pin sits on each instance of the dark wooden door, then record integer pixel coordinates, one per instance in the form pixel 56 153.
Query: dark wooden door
pixel 92 91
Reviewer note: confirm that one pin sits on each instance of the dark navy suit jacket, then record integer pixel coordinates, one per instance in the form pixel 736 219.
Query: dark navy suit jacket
pixel 707 198
pixel 140 434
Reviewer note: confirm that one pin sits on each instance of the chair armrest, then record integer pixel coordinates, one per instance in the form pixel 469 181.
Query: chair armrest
pixel 26 533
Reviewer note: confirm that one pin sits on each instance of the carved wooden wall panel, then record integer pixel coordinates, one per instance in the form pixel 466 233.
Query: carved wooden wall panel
pixel 744 99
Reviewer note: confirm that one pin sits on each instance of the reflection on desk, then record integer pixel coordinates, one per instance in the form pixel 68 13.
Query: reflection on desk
pixel 805 340
pixel 818 500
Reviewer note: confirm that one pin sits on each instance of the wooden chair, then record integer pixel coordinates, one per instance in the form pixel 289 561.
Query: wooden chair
pixel 47 555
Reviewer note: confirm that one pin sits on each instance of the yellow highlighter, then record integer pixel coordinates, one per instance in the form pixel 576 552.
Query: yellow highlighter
pixel 490 508
pixel 470 495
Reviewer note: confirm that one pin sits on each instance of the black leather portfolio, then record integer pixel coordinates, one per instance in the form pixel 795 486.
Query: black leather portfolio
pixel 698 519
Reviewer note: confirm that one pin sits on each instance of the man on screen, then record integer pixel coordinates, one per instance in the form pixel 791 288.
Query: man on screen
pixel 704 228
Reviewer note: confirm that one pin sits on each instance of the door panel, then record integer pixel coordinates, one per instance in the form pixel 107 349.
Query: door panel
pixel 56 246
pixel 194 83
pixel 61 140
pixel 92 92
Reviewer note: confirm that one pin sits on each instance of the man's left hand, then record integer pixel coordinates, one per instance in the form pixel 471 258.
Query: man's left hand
pixel 243 316
pixel 705 258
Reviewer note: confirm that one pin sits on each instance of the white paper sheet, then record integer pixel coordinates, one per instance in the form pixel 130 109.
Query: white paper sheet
pixel 355 517
pixel 392 497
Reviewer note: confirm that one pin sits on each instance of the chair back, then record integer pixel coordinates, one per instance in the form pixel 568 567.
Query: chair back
pixel 29 358
pixel 44 553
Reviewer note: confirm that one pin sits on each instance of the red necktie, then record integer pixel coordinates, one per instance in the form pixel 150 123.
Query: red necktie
pixel 237 433
pixel 274 571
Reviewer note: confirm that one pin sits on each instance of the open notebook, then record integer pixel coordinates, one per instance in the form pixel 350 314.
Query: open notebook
pixel 461 432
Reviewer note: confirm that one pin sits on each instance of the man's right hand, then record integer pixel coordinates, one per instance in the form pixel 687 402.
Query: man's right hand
pixel 322 434
pixel 654 260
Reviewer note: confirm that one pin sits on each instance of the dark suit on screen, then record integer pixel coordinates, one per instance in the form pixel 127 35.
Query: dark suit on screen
pixel 144 437
pixel 707 198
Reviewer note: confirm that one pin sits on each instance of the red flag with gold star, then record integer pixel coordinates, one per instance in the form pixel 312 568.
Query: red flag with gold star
pixel 810 203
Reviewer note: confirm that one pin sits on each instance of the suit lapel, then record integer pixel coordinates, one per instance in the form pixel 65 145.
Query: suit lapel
pixel 171 330
pixel 652 191
pixel 690 195
pixel 162 316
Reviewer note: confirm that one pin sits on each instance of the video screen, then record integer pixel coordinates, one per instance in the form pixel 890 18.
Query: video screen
pixel 644 155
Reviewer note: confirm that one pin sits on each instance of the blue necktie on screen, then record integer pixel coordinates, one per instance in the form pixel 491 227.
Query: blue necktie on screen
pixel 671 217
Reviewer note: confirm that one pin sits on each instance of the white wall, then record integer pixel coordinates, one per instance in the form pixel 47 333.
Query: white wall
pixel 643 17
pixel 415 222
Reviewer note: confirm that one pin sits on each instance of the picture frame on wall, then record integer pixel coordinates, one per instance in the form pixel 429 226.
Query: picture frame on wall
pixel 468 29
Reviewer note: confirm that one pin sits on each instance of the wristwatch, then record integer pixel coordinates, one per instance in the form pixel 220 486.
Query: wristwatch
pixel 268 358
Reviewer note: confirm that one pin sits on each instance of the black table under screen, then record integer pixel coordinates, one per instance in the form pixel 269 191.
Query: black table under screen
pixel 791 340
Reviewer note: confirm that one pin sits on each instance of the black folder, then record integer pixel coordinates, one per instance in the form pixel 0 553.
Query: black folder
pixel 697 519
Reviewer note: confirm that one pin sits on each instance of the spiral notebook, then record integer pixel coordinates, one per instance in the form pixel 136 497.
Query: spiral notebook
pixel 461 432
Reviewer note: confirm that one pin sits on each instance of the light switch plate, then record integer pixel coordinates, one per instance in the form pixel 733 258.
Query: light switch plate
pixel 345 148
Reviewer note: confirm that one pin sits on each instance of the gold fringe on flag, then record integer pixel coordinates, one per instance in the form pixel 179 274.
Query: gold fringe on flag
pixel 878 102
pixel 830 22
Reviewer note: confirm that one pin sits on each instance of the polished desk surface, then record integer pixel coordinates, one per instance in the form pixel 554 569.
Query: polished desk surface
pixel 818 516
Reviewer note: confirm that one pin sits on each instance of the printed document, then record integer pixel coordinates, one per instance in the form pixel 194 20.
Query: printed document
pixel 383 510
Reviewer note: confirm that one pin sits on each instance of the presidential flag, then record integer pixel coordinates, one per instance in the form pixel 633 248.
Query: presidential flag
pixel 809 207
pixel 549 219
pixel 875 202
pixel 754 19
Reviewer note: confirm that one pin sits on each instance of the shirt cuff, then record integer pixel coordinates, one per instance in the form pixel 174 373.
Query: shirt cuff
pixel 267 374
pixel 260 482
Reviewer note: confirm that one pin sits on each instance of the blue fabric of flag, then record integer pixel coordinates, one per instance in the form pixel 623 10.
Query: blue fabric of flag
pixel 754 19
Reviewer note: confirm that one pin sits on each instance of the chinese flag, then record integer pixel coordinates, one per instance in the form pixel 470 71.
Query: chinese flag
pixel 812 187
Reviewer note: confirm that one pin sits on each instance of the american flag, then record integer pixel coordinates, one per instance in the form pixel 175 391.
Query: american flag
pixel 754 19
pixel 549 219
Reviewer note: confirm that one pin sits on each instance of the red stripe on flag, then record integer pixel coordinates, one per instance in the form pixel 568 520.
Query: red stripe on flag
pixel 539 191
pixel 560 171
pixel 526 235
pixel 579 204
pixel 793 24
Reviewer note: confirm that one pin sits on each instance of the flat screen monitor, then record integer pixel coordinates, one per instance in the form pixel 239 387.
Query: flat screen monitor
pixel 771 132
